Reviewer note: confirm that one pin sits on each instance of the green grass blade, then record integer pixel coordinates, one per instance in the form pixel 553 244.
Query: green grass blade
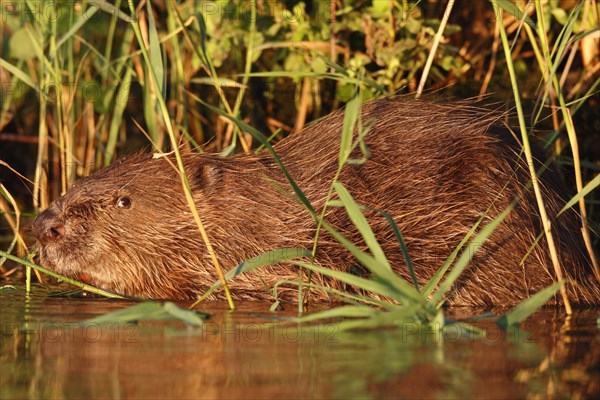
pixel 379 287
pixel 462 330
pixel 223 82
pixel 379 320
pixel 526 308
pixel 150 113
pixel 336 67
pixel 36 42
pixel 268 258
pixel 340 312
pixel 351 298
pixel 155 53
pixel 360 222
pixel 370 318
pixel 466 256
pixel 439 274
pixel 593 184
pixel 149 311
pixel 403 248
pixel 26 79
pixel 112 10
pixel 117 118
pixel 553 60
pixel 381 271
pixel 83 18
pixel 201 27
pixel 188 316
pixel 351 115
pixel 514 10
pixel 565 37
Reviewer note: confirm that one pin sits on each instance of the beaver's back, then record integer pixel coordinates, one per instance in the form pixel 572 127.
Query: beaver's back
pixel 437 168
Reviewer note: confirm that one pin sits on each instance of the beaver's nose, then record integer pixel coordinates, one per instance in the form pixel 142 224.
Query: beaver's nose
pixel 47 227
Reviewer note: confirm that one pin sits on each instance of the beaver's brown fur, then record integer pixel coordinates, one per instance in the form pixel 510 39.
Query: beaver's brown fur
pixel 436 168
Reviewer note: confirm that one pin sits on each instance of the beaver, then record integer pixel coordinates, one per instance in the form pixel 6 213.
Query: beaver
pixel 435 168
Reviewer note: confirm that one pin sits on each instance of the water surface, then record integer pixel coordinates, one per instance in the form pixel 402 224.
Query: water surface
pixel 252 353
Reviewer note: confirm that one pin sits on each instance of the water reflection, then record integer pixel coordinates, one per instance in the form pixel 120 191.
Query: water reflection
pixel 242 355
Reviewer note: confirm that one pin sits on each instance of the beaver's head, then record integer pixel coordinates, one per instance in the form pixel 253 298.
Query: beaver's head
pixel 127 229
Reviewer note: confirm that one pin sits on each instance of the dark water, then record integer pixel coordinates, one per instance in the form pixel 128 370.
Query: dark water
pixel 247 355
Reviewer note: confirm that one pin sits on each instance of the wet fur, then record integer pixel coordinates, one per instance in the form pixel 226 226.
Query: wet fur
pixel 436 168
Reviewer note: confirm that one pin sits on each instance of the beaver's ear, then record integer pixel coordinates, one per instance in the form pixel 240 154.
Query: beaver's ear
pixel 208 177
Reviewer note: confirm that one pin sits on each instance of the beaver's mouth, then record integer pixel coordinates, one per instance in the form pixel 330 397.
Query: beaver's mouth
pixel 98 284
pixel 54 258
pixel 46 258
pixel 101 284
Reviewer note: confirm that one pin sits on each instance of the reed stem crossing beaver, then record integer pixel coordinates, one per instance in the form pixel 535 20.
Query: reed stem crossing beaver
pixel 436 168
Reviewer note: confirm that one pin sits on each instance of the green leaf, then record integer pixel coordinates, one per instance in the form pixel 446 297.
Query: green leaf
pixel 381 288
pixel 26 79
pixel 351 115
pixel 112 10
pixel 560 15
pixel 593 184
pixel 21 44
pixel 117 117
pixel 318 65
pixel 189 316
pixel 402 289
pixel 527 307
pixel 514 10
pixel 150 311
pixel 340 312
pixel 155 53
pixel 437 277
pixel 381 8
pixel 400 240
pixel 268 258
pixel 466 256
pixel 360 222
pixel 83 18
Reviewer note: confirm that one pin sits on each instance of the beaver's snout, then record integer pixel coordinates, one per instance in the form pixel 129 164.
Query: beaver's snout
pixel 47 227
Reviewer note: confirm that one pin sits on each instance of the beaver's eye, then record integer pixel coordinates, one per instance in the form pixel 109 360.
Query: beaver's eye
pixel 124 202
